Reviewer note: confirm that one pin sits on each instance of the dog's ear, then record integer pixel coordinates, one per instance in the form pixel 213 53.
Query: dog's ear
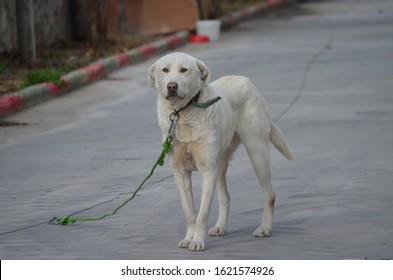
pixel 205 72
pixel 151 76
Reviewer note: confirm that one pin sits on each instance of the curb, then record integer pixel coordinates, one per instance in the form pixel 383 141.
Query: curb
pixel 99 69
pixel 95 71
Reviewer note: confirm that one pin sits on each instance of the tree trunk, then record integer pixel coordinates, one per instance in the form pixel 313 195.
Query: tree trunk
pixel 24 45
pixel 98 21
pixel 122 16
pixel 89 20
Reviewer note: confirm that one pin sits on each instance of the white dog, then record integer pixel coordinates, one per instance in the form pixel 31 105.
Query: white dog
pixel 206 132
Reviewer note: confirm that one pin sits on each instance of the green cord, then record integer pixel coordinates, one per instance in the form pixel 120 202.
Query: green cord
pixel 167 145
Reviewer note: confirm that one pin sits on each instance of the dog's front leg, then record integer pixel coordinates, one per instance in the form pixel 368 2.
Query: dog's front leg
pixel 183 182
pixel 209 179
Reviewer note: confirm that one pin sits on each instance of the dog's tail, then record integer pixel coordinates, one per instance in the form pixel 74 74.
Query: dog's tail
pixel 278 140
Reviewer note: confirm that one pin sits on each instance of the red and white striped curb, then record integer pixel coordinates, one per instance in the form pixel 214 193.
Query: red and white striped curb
pixel 97 70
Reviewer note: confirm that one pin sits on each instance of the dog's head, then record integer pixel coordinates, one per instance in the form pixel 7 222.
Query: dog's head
pixel 178 76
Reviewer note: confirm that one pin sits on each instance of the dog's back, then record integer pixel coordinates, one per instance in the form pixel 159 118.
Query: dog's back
pixel 249 106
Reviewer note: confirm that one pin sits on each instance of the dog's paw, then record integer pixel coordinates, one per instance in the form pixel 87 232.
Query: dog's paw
pixel 217 231
pixel 196 246
pixel 185 243
pixel 262 232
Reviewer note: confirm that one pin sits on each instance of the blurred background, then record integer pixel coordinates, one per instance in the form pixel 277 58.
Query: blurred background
pixel 68 34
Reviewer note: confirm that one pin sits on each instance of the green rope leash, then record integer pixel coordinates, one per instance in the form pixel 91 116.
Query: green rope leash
pixel 167 145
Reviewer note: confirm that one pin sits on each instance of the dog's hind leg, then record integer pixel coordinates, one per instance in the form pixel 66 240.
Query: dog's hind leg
pixel 256 143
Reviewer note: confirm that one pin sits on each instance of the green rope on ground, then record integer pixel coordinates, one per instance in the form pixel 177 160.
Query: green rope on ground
pixel 167 145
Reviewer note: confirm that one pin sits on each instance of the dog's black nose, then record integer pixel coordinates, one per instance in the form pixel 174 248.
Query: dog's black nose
pixel 172 87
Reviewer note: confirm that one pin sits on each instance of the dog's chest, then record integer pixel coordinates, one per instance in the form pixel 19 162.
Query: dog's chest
pixel 184 155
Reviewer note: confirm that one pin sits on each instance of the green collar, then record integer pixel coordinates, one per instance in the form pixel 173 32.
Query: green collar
pixel 194 102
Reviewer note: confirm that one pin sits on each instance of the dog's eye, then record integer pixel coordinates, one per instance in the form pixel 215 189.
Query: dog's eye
pixel 165 70
pixel 183 70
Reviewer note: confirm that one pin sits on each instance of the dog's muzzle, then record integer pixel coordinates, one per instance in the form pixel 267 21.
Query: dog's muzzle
pixel 172 90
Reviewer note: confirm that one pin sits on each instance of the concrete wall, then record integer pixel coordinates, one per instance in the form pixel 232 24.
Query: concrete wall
pixel 157 16
pixel 151 16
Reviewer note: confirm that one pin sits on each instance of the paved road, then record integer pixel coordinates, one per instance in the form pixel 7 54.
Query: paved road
pixel 332 60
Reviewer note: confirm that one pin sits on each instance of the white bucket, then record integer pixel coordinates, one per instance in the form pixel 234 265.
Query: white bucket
pixel 210 28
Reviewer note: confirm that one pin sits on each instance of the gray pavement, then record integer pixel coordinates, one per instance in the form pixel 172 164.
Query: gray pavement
pixel 331 60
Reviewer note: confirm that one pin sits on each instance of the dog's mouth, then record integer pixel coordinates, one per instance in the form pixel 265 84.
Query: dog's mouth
pixel 172 96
